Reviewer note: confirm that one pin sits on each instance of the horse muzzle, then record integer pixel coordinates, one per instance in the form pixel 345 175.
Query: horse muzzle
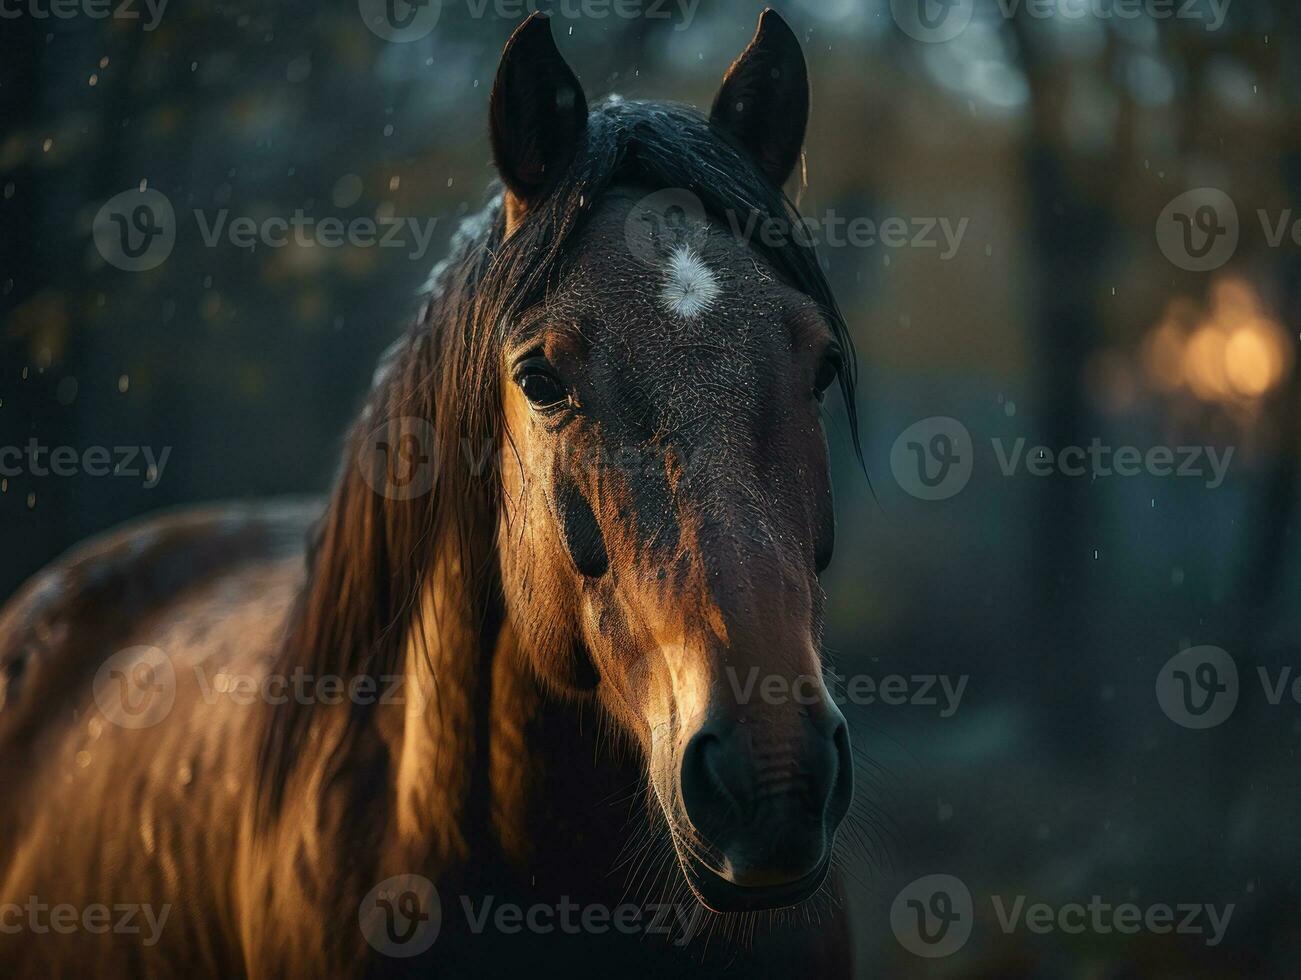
pixel 763 800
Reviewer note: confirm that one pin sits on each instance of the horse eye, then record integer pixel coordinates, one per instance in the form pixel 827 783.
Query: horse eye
pixel 542 388
pixel 828 371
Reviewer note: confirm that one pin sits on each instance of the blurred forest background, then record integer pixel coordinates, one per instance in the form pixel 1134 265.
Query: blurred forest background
pixel 1059 318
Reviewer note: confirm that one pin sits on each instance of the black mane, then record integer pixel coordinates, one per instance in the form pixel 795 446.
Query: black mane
pixel 370 555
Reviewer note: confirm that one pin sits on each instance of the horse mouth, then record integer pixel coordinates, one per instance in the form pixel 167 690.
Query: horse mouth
pixel 719 894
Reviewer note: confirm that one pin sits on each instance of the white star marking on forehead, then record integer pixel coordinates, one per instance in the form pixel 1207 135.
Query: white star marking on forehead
pixel 689 285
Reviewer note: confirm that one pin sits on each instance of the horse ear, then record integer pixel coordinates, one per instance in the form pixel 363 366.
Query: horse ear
pixel 536 116
pixel 763 102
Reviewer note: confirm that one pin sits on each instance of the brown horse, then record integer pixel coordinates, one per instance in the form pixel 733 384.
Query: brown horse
pixel 549 689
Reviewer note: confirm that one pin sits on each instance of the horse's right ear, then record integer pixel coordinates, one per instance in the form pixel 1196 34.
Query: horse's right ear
pixel 537 116
pixel 763 103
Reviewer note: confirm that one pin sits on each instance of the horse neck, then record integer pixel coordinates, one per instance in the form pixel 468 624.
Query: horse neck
pixel 566 795
pixel 493 770
pixel 439 735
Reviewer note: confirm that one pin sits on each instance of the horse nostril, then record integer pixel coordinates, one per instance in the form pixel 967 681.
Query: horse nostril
pixel 706 795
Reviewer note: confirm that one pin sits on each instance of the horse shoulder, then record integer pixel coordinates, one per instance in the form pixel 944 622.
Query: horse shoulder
pixel 116 589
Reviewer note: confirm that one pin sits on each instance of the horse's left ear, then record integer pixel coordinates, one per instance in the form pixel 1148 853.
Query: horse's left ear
pixel 537 115
pixel 763 102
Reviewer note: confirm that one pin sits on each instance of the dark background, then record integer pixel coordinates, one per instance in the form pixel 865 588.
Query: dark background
pixel 1059 319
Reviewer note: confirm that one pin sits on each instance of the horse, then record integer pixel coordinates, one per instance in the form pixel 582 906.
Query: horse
pixel 540 684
